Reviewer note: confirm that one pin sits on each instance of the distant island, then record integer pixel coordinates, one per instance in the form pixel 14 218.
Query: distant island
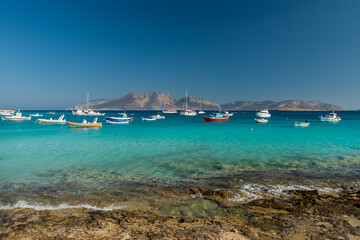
pixel 157 101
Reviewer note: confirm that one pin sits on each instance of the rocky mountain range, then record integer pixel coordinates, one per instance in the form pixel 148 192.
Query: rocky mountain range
pixel 157 101
pixel 282 105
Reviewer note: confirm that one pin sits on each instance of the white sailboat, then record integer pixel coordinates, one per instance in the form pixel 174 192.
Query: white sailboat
pixel 201 111
pixel 187 112
pixel 168 109
pixel 88 112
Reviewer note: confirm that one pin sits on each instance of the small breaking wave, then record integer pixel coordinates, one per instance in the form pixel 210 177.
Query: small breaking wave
pixel 39 206
pixel 249 192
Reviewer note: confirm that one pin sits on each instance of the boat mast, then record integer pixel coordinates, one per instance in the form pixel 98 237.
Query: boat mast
pixel 168 103
pixel 186 100
pixel 87 101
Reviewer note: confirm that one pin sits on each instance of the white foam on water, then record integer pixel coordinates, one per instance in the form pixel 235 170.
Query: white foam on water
pixel 249 192
pixel 39 206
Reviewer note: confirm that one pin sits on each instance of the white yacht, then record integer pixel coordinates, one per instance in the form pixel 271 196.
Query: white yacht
pixel 263 114
pixel 332 117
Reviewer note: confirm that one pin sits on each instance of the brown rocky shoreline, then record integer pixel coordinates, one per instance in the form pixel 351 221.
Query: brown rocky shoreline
pixel 301 215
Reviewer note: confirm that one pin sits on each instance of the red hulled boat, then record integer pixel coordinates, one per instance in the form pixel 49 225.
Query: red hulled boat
pixel 218 117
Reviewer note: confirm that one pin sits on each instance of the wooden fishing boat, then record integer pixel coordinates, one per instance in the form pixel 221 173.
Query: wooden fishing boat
pixel 302 124
pixel 217 117
pixel 86 124
pixel 332 117
pixel 16 117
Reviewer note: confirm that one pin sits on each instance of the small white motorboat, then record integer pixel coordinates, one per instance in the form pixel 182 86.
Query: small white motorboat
pixel 36 115
pixel 59 120
pixel 92 113
pixel 78 112
pixel 262 120
pixel 17 117
pixel 188 113
pixel 158 116
pixel 227 114
pixel 332 117
pixel 263 114
pixel 149 119
pixel 302 124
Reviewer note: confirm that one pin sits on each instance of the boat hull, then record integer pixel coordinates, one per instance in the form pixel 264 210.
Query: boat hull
pixel 215 119
pixel 333 120
pixel 261 121
pixel 84 125
pixel 51 121
pixel 113 119
pixel 263 115
pixel 165 111
pixel 116 122
pixel 188 114
pixel 149 119
pixel 301 124
pixel 158 117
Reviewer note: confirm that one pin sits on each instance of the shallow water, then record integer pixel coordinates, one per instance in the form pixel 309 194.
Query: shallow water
pixel 178 150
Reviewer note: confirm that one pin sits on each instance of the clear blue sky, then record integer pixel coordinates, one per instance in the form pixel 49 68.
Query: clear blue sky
pixel 53 52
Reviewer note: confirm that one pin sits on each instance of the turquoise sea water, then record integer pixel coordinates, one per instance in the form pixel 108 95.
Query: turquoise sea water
pixel 176 149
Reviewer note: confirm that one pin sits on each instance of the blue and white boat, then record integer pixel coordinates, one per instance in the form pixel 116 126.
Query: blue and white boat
pixel 117 122
pixel 124 117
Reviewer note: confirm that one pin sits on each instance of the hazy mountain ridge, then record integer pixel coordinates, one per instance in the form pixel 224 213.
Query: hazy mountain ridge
pixel 148 101
pixel 287 104
pixel 157 100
